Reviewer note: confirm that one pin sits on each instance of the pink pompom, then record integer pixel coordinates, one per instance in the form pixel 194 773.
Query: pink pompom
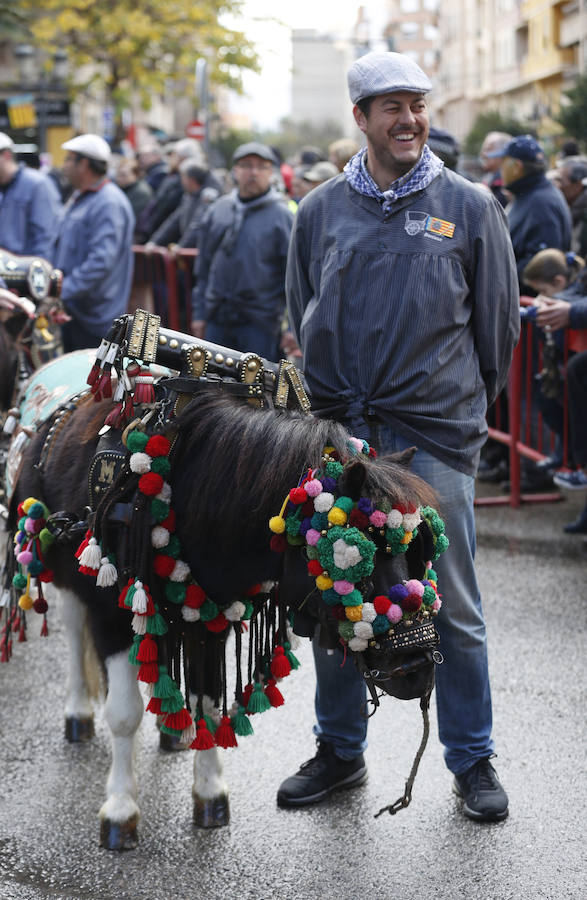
pixel 378 518
pixel 437 604
pixel 343 587
pixel 357 443
pixel 312 537
pixel 313 487
pixel 32 526
pixel 394 613
pixel 415 587
pixel 24 557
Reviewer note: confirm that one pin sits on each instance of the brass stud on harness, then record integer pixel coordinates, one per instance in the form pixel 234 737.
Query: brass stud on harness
pixel 174 343
pixel 219 358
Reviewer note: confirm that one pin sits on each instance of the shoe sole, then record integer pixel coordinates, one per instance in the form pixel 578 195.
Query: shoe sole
pixel 475 815
pixel 353 780
pixel 565 486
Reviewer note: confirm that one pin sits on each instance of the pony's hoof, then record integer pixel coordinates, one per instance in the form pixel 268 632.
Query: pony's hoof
pixel 119 835
pixel 79 728
pixel 211 813
pixel 169 743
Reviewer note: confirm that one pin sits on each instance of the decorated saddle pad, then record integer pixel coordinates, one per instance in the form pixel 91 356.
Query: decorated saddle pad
pixel 49 388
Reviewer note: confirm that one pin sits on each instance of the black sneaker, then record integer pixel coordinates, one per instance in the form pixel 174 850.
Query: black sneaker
pixel 324 773
pixel 484 798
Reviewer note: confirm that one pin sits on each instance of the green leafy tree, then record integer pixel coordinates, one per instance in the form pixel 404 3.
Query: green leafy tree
pixel 573 114
pixel 492 120
pixel 139 46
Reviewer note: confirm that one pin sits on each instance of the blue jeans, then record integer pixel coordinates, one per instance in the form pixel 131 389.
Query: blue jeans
pixel 246 338
pixel 463 697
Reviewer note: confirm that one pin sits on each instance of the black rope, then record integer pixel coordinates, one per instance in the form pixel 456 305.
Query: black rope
pixel 238 642
pixel 405 799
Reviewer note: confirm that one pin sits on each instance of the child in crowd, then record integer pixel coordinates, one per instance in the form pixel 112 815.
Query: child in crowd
pixel 561 282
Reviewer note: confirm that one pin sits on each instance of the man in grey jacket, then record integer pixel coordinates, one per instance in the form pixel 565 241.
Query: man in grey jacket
pixel 239 297
pixel 402 293
pixel 29 207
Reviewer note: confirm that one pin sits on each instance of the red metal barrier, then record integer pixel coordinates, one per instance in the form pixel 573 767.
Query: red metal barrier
pixel 526 435
pixel 162 283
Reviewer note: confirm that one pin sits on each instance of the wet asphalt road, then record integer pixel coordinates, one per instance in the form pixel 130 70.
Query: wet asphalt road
pixel 51 790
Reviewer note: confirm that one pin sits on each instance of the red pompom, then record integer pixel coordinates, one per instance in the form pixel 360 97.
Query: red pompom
pixel 225 736
pixel 40 605
pixel 253 590
pixel 218 624
pixel 169 522
pixel 411 603
pixel 298 495
pixel 372 452
pixel 358 519
pixel 315 567
pixel 163 565
pixel 194 596
pixel 308 509
pixel 46 576
pixel 158 445
pixel 381 604
pixel 203 739
pixel 278 543
pixel 150 484
pixel 338 612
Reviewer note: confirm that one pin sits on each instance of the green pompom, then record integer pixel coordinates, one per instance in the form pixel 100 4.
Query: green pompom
pixel 159 510
pixel 19 581
pixel 175 592
pixel 346 630
pixel 330 597
pixel 429 596
pixel 161 466
pixel 208 610
pixel 37 511
pixel 136 441
pixel 380 624
pixel 311 552
pixel 173 547
pixel 46 539
pixel 345 503
pixel 355 598
pixel 440 546
pixel 333 469
pixel 296 540
pixel 35 567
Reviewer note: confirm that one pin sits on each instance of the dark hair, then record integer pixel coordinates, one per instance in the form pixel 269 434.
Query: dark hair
pixel 365 105
pixel 196 171
pixel 97 166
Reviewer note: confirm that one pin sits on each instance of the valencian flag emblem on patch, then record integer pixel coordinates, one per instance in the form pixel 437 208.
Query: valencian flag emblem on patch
pixel 440 226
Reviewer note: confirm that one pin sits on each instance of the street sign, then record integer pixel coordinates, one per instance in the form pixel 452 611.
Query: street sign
pixel 196 130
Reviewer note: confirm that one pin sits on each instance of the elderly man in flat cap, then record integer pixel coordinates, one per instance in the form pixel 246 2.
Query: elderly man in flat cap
pixel 402 293
pixel 94 244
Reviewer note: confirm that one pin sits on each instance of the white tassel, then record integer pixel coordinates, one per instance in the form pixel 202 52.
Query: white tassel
pixel 107 574
pixel 139 624
pixel 188 735
pixel 139 600
pixel 91 555
pixel 189 614
pixel 180 571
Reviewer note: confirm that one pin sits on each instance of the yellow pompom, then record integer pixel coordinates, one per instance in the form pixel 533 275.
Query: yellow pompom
pixel 26 504
pixel 337 516
pixel 406 538
pixel 354 613
pixel 26 602
pixel 277 524
pixel 323 582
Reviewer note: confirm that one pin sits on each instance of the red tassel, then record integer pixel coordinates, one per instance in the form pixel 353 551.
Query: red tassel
pixel 149 672
pixel 225 736
pixel 103 387
pixel 203 739
pixel 123 594
pixel 22 633
pixel 147 651
pixel 273 693
pixel 247 694
pixel 87 570
pixel 93 376
pixel 115 417
pixel 144 391
pixel 280 664
pixel 84 543
pixel 178 720
pixel 15 623
pixel 154 706
pixel 44 628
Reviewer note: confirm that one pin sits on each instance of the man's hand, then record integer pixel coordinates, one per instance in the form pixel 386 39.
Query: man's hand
pixel 198 327
pixel 11 304
pixel 289 345
pixel 552 313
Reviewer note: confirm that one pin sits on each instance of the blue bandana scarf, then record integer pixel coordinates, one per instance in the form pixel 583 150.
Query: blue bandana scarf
pixel 418 178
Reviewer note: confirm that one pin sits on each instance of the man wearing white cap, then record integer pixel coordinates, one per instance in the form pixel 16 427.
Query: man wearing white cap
pixel 94 244
pixel 402 294
pixel 29 207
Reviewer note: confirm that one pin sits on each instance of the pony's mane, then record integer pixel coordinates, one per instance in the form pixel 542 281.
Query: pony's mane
pixel 238 462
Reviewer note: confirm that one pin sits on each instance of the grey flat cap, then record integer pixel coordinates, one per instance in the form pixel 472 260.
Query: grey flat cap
pixel 381 73
pixel 254 148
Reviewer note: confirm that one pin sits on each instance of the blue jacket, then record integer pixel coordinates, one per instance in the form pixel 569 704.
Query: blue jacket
pixel 29 210
pixel 539 217
pixel 94 251
pixel 410 315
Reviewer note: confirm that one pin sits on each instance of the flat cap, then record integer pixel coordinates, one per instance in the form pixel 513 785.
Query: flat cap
pixel 524 147
pixel 91 145
pixel 320 171
pixel 6 142
pixel 254 148
pixel 384 72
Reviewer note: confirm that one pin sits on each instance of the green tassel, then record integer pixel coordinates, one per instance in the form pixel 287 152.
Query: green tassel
pixel 172 731
pixel 291 657
pixel 210 724
pixel 132 653
pixel 241 723
pixel 258 702
pixel 156 624
pixel 174 703
pixel 165 686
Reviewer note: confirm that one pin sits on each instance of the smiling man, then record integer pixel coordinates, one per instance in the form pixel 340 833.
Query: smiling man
pixel 402 293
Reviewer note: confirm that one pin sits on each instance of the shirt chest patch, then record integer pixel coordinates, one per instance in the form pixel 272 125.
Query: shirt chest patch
pixel 421 222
